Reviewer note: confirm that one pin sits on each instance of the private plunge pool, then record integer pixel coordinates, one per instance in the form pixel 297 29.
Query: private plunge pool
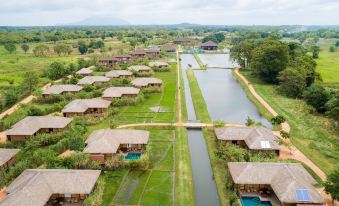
pixel 132 156
pixel 253 201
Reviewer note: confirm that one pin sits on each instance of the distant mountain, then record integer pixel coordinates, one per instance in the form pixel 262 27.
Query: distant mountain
pixel 101 20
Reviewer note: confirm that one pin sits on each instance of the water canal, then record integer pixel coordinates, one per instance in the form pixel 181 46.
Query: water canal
pixel 204 185
pixel 225 100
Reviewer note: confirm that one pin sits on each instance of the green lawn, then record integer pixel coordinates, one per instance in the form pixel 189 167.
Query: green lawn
pixel 328 66
pixel 315 135
pixel 112 180
pixel 159 189
pixel 160 107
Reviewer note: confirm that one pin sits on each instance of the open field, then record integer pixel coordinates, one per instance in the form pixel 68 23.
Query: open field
pixel 315 135
pixel 328 66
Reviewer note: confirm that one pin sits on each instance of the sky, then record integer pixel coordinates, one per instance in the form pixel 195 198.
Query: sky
pixel 211 12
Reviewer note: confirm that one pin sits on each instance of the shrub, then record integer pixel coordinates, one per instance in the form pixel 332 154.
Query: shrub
pixel 233 198
pixel 333 107
pixel 88 88
pixel 151 90
pixel 278 120
pixel 284 134
pixel 35 111
pixel 250 121
pixel 96 198
pixel 317 96
pixel 76 143
pixel 219 123
pixel 162 69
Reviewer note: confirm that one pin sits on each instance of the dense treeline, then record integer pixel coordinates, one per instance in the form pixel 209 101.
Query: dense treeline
pixel 291 67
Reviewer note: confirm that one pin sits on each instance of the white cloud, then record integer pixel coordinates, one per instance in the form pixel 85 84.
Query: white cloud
pixel 42 12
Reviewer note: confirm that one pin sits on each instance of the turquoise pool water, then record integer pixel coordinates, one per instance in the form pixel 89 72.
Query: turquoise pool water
pixel 132 156
pixel 253 201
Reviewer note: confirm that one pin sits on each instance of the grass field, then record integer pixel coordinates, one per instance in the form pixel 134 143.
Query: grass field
pixel 328 66
pixel 160 107
pixel 315 135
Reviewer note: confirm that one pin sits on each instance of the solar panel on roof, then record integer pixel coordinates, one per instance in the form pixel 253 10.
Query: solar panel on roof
pixel 265 144
pixel 302 195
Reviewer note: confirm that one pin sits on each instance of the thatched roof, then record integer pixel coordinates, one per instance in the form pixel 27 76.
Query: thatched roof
pixel 108 140
pixel 119 91
pixel 85 71
pixel 92 80
pixel 81 105
pixel 31 124
pixel 60 88
pixel 139 68
pixel 138 52
pixel 158 64
pixel 209 43
pixel 284 178
pixel 35 186
pixel 108 59
pixel 7 154
pixel 167 47
pixel 256 138
pixel 153 50
pixel 122 56
pixel 145 81
pixel 118 73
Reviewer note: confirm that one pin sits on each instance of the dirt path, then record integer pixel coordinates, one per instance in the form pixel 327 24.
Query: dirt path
pixel 285 126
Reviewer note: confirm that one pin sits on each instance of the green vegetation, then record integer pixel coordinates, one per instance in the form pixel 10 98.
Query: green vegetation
pixel 201 65
pixel 327 66
pixel 315 135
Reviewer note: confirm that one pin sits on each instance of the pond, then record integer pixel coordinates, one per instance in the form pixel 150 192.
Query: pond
pixel 225 98
pixel 217 61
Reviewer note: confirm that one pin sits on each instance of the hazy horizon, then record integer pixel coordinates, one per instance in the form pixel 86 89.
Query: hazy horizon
pixel 154 12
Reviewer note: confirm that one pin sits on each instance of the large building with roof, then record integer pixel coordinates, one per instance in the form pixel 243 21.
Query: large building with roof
pixel 252 138
pixel 118 74
pixel 144 82
pixel 93 80
pixel 80 107
pixel 61 89
pixel 41 187
pixel 120 92
pixel 209 45
pixel 104 144
pixel 32 125
pixel 7 158
pixel 286 183
pixel 85 71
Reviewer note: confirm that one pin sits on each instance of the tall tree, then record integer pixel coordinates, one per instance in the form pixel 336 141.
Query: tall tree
pixel 242 52
pixel 10 47
pixel 315 51
pixel 30 82
pixel 292 82
pixel 269 59
pixel 25 48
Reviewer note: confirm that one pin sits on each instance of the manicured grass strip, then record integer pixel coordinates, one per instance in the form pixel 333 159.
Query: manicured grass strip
pixel 159 190
pixel 184 188
pixel 202 66
pixel 198 100
pixel 132 188
pixel 315 135
pixel 112 182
